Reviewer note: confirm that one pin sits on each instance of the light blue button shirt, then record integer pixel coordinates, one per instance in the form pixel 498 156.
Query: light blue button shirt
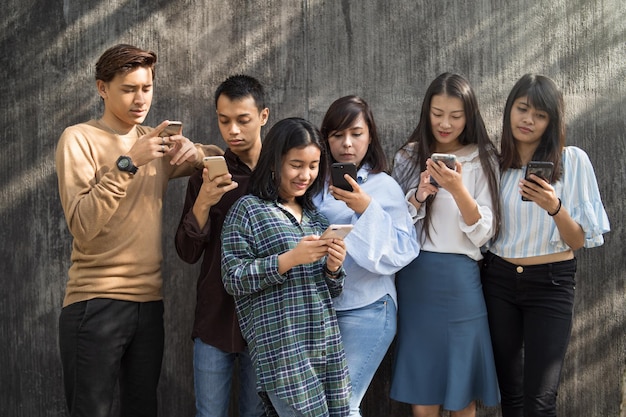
pixel 382 242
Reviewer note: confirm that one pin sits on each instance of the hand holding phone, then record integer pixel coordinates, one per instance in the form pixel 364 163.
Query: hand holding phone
pixel 448 159
pixel 172 129
pixel 542 169
pixel 216 166
pixel 337 172
pixel 337 231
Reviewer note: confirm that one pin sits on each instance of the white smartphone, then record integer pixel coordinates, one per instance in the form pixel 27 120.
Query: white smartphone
pixel 337 231
pixel 174 128
pixel 216 166
pixel 448 159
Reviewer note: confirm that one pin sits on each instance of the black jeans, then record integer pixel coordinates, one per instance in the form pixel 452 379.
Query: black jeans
pixel 530 317
pixel 104 342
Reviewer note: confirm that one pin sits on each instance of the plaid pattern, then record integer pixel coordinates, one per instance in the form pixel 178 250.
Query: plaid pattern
pixel 288 320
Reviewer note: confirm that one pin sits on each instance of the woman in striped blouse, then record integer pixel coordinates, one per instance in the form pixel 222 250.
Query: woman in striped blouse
pixel 528 273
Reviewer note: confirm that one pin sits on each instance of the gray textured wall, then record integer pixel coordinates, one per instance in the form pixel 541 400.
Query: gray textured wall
pixel 308 53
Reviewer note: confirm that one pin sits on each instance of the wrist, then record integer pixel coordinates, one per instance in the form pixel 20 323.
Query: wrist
pixel 332 274
pixel 555 211
pixel 417 199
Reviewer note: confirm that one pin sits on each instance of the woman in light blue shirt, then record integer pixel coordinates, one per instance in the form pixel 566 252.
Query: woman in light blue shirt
pixel 528 273
pixel 382 241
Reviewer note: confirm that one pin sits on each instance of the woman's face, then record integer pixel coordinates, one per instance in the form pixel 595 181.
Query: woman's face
pixel 447 122
pixel 351 144
pixel 528 124
pixel 299 170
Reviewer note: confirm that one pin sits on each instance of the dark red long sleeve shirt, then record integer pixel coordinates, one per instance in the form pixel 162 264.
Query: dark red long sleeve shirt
pixel 215 320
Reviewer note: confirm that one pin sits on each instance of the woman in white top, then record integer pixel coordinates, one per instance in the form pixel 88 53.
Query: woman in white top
pixel 444 355
pixel 528 273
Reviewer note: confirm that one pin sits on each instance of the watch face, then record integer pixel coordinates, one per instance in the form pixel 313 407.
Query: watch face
pixel 123 163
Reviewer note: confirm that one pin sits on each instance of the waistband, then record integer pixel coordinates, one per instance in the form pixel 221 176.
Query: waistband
pixel 541 268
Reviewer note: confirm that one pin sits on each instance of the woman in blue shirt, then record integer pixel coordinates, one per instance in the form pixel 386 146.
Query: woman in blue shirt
pixel 528 273
pixel 282 276
pixel 382 241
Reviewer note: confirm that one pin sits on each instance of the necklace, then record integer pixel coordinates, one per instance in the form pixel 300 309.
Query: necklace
pixel 109 128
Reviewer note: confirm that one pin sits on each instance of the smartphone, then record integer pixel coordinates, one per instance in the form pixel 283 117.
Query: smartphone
pixel 338 169
pixel 174 128
pixel 542 169
pixel 216 166
pixel 448 159
pixel 337 231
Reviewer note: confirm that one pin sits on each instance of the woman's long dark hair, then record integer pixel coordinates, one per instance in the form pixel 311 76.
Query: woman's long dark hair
pixel 543 94
pixel 285 135
pixel 340 116
pixel 422 138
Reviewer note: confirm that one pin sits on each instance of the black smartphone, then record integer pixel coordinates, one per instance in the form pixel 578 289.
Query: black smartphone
pixel 448 159
pixel 542 169
pixel 338 170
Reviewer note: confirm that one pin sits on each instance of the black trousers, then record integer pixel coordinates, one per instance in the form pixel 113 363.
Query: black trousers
pixel 530 312
pixel 105 342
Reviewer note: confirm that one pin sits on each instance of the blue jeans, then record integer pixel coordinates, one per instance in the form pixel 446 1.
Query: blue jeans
pixel 212 371
pixel 366 333
pixel 104 342
pixel 530 317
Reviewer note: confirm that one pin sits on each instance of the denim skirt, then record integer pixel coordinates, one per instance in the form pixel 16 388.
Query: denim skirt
pixel 443 347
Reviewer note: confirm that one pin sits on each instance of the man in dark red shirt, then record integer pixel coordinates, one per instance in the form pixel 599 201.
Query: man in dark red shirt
pixel 218 342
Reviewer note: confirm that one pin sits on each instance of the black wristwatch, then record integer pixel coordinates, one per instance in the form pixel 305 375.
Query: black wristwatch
pixel 124 163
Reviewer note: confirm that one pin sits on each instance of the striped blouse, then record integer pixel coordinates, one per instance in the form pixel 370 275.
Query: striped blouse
pixel 527 229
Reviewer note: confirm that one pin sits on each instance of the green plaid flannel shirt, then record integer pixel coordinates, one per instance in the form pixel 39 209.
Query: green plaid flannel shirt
pixel 288 320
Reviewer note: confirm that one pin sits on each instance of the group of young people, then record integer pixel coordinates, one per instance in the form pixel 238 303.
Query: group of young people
pixel 476 284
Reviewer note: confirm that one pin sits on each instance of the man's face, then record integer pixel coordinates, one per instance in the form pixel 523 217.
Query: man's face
pixel 240 123
pixel 127 98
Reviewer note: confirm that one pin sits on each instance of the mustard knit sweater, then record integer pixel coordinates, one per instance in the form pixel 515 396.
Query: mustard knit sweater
pixel 114 217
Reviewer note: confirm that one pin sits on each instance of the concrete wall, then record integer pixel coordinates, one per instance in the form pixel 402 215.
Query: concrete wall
pixel 307 53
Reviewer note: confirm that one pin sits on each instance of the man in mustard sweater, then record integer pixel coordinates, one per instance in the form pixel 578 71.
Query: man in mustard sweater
pixel 112 176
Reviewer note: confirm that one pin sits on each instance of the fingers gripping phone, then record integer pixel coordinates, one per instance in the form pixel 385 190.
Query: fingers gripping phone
pixel 542 169
pixel 448 159
pixel 337 172
pixel 216 166
pixel 337 231
pixel 174 128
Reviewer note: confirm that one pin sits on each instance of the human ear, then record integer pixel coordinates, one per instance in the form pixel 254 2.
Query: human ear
pixel 265 114
pixel 102 88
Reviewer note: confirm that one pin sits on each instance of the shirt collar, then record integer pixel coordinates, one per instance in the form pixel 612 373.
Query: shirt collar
pixel 234 160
